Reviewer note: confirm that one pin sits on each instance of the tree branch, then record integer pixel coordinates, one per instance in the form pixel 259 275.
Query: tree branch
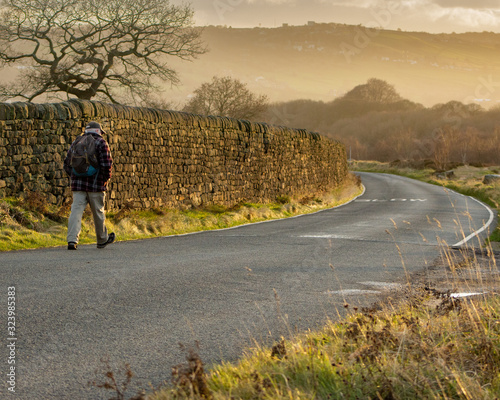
pixel 96 47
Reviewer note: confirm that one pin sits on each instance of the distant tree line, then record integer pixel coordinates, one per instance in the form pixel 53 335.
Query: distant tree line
pixel 375 123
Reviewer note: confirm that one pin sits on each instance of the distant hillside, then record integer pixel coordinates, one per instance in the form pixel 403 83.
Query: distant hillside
pixel 372 97
pixel 376 123
pixel 324 61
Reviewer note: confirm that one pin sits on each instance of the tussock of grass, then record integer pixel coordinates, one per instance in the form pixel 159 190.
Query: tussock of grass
pixel 30 223
pixel 420 343
pixel 410 350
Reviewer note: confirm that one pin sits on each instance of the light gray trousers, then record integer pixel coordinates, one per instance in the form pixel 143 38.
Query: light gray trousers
pixel 80 201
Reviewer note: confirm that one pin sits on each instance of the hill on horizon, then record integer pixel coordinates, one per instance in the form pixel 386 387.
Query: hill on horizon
pixel 322 62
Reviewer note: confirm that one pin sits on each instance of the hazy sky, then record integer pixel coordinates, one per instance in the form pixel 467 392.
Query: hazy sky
pixel 414 15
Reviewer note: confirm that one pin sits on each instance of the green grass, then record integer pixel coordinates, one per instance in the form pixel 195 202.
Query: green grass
pixel 417 344
pixel 425 347
pixel 29 223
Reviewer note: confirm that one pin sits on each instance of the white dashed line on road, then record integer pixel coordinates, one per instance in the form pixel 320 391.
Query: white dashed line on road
pixel 389 200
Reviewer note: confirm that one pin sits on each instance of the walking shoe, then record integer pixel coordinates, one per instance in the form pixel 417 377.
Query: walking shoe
pixel 72 246
pixel 111 239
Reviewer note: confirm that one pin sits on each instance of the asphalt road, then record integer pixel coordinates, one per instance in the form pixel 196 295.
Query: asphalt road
pixel 136 301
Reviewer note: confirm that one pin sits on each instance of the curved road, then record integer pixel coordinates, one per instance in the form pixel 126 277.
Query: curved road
pixel 135 301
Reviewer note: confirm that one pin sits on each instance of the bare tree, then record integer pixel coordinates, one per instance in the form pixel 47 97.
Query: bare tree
pixel 226 97
pixel 443 140
pixel 93 48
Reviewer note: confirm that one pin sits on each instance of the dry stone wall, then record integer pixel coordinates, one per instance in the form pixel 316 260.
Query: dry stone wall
pixel 164 158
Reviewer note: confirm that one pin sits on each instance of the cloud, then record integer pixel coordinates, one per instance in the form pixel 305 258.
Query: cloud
pixel 342 3
pixel 467 17
pixel 350 3
pixel 476 4
pixel 459 13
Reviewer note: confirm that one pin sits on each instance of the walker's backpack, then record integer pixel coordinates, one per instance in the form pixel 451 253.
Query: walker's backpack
pixel 83 156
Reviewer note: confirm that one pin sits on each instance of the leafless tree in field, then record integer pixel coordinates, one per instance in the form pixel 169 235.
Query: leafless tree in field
pixel 94 49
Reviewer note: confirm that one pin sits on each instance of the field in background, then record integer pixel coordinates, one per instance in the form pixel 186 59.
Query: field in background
pixel 324 61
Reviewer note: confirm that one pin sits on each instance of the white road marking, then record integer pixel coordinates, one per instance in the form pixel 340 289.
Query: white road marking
pixel 330 236
pixel 459 295
pixel 476 233
pixel 351 292
pixel 383 285
pixel 389 200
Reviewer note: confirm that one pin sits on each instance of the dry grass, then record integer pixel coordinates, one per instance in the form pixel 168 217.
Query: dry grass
pixel 421 344
pixel 30 223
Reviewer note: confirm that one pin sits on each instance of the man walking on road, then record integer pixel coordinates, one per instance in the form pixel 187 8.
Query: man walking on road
pixel 89 187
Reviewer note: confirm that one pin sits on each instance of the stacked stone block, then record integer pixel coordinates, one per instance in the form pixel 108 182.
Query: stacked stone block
pixel 165 158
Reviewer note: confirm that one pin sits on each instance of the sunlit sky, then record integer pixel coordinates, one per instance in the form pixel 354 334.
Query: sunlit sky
pixel 409 15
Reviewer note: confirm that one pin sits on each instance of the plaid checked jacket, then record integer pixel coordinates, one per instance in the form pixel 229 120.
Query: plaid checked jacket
pixel 92 183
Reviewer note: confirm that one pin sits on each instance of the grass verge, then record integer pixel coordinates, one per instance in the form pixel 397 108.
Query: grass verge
pixel 29 223
pixel 406 352
pixel 419 344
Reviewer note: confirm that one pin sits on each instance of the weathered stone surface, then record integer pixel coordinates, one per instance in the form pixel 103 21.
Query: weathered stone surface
pixel 165 157
pixel 445 175
pixel 491 179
